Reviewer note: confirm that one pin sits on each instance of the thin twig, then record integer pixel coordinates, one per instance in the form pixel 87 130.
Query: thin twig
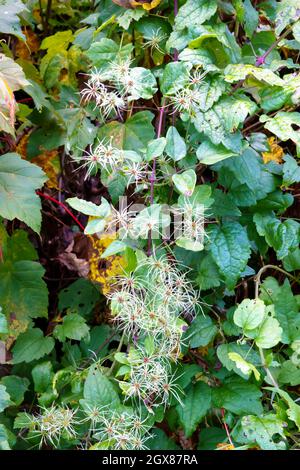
pixel 50 198
pixel 263 269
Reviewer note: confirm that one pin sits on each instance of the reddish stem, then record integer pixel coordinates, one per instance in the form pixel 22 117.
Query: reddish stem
pixel 50 198
pixel 226 427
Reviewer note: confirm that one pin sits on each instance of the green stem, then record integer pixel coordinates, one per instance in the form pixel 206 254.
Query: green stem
pixel 118 350
pixel 268 372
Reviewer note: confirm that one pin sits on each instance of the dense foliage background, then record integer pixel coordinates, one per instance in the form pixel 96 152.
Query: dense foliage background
pixel 122 341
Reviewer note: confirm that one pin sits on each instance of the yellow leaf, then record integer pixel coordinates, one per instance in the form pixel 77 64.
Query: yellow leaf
pixel 105 271
pixel 48 160
pixel 146 4
pixel 24 50
pixel 275 154
pixel 223 446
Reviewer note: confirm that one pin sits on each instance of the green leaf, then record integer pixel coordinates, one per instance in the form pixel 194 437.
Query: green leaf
pixel 236 72
pixel 114 248
pixel 58 41
pixel 230 249
pixel 98 390
pixel 210 437
pixel 18 181
pixel 287 12
pixel 15 387
pixel 4 398
pixel 249 170
pixel 223 205
pixel 242 350
pixel 185 182
pixel 42 375
pixel 31 345
pixel 81 297
pixel 291 262
pixel 208 274
pixel 196 403
pixel 151 218
pixel 23 293
pixel 144 84
pixel 286 308
pixel 217 123
pixel 4 438
pixel 89 208
pixel 294 410
pixel 269 333
pixel 282 126
pixel 289 374
pixel 175 77
pixel 106 51
pixel 249 314
pixel 3 323
pixel 159 440
pixel 135 133
pixel 251 18
pixel 72 327
pixel 201 332
pixel 175 145
pixel 194 13
pixel 210 90
pixel 291 171
pixel 155 148
pixel 263 429
pixel 246 367
pixel 238 397
pixel 9 20
pixel 208 153
pixel 126 18
pixel 282 236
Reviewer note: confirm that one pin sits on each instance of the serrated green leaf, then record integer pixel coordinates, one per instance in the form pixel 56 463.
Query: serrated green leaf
pixel 236 72
pixel 196 403
pixel 282 126
pixel 262 430
pixel 15 387
pixel 230 249
pixel 18 181
pixel 238 396
pixel 217 123
pixel 72 327
pixel 31 345
pixel 98 390
pixel 102 53
pixel 201 332
pixel 195 12
pixel 135 133
pixel 175 77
